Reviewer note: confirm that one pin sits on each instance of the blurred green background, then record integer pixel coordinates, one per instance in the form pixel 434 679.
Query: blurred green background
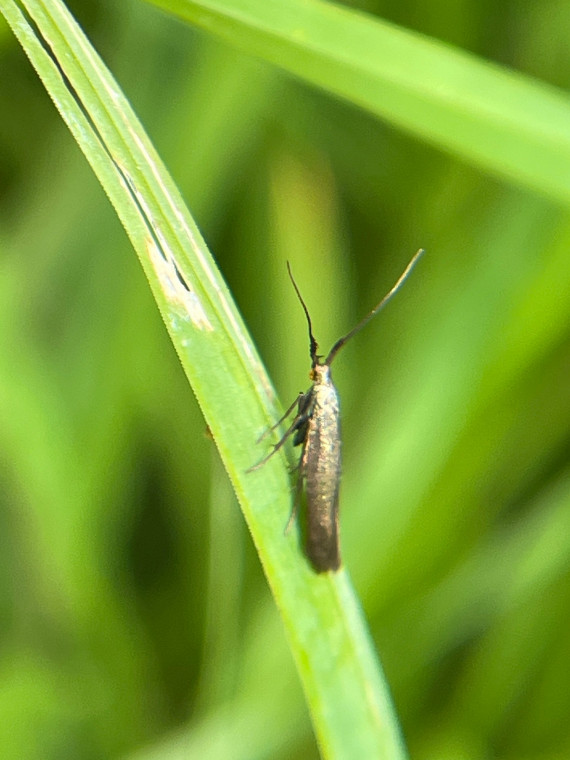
pixel 135 619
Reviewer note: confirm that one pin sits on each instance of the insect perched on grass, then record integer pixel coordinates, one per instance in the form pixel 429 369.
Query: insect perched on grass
pixel 317 428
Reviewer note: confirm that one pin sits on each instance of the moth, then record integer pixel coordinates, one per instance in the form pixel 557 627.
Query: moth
pixel 316 427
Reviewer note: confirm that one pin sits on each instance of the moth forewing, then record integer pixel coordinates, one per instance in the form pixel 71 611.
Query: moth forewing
pixel 320 467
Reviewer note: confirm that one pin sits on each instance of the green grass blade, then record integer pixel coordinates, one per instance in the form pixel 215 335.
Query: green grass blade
pixel 347 695
pixel 508 124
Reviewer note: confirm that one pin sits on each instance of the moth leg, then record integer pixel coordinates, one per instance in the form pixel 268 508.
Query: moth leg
pixel 303 402
pixel 287 413
pixel 290 430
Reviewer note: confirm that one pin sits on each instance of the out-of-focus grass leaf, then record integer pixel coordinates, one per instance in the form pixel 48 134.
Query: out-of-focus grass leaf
pixel 510 125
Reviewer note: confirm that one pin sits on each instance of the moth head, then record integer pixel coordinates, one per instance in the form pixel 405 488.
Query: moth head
pixel 320 374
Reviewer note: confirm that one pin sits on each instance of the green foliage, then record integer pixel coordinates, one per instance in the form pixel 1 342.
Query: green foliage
pixel 136 613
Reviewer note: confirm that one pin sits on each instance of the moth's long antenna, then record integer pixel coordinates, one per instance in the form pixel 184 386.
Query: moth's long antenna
pixel 313 346
pixel 401 280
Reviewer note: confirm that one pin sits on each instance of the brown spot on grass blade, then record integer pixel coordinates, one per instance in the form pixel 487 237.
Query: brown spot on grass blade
pixel 175 286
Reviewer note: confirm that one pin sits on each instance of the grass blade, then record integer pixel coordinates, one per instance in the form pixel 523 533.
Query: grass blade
pixel 513 126
pixel 347 695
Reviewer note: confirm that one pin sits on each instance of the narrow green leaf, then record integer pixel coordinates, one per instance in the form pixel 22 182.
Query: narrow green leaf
pixel 508 124
pixel 343 681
